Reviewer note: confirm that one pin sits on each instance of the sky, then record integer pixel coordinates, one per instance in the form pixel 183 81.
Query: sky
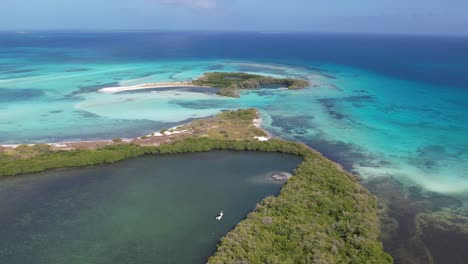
pixel 434 17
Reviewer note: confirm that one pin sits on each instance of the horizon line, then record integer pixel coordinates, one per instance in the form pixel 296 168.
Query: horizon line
pixel 85 30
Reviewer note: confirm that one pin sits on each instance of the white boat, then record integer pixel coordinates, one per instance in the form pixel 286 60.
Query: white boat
pixel 219 216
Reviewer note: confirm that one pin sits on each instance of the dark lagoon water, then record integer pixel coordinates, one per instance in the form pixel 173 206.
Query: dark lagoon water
pixel 158 209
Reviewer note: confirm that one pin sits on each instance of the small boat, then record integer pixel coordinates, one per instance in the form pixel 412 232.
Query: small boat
pixel 219 216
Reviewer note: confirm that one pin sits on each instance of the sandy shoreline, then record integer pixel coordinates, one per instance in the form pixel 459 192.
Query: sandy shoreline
pixel 155 138
pixel 147 86
pixel 257 122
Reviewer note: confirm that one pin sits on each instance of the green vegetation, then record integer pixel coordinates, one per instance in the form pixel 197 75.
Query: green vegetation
pixel 24 152
pixel 242 114
pixel 322 215
pixel 227 125
pixel 229 83
pixel 117 140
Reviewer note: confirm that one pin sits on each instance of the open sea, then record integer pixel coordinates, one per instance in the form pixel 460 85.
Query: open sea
pixel 392 109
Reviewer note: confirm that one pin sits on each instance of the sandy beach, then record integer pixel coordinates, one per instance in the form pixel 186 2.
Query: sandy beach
pixel 154 139
pixel 146 86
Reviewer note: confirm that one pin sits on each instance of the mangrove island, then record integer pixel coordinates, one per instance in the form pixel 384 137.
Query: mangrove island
pixel 322 214
pixel 228 83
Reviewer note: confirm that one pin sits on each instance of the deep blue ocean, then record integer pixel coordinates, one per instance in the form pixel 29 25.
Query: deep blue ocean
pixel 390 108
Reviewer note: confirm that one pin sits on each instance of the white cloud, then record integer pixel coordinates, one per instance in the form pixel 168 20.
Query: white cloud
pixel 205 4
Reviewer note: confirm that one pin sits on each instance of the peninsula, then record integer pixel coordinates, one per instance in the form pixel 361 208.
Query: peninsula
pixel 227 83
pixel 321 215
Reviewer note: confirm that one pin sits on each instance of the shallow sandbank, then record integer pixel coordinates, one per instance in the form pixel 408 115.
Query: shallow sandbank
pixel 119 89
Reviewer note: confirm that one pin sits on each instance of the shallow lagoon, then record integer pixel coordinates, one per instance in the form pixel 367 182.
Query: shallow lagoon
pixel 158 209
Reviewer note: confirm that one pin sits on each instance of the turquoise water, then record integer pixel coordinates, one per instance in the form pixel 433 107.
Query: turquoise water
pixel 145 210
pixel 407 133
pixel 391 109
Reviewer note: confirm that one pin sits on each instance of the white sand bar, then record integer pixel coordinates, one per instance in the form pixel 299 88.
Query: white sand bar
pixel 146 86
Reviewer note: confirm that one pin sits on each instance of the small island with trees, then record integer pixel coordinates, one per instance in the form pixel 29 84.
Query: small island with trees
pixel 228 83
